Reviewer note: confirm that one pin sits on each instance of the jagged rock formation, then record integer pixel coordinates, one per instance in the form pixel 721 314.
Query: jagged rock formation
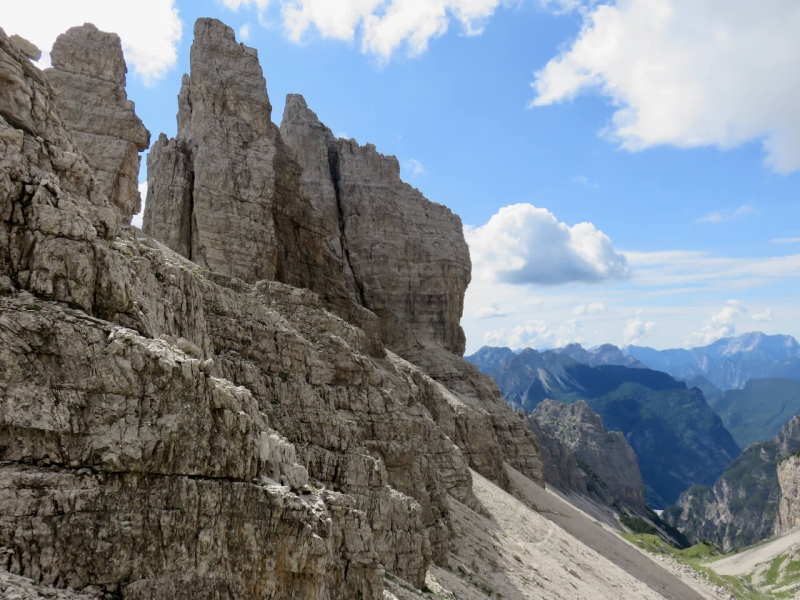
pixel 88 77
pixel 788 441
pixel 171 431
pixel 331 216
pixel 748 502
pixel 605 354
pixel 789 481
pixel 392 238
pixel 605 454
pixel 356 234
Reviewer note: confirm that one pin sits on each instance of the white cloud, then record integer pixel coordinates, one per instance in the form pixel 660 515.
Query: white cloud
pixel 137 219
pixel 792 240
pixel 731 215
pixel 534 334
pixel 722 324
pixel 595 308
pixel 489 312
pixel 414 166
pixel 764 316
pixel 689 73
pixel 583 180
pixel 244 32
pixel 524 244
pixel 237 4
pixel 383 26
pixel 636 329
pixel 150 29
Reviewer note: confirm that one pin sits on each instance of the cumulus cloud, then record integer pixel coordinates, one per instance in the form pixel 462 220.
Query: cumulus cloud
pixel 721 324
pixel 534 334
pixel 382 26
pixel 149 29
pixel 244 32
pixel 689 73
pixel 489 312
pixel 764 316
pixel 524 244
pixel 636 329
pixel 137 219
pixel 595 308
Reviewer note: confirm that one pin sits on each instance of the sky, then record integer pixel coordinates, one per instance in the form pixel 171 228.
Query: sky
pixel 626 171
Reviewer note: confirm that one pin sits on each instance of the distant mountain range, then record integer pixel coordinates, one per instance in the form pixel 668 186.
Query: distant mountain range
pixel 677 437
pixel 728 363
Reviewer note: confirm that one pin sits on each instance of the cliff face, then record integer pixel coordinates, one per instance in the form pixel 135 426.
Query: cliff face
pixel 789 476
pixel 167 430
pixel 605 454
pixel 88 79
pixel 751 501
pixel 234 194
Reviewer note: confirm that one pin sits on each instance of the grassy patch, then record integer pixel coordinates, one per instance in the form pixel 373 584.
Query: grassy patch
pixel 694 557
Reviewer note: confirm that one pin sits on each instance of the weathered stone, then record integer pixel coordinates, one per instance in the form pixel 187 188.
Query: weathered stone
pixel 407 255
pixel 88 78
pixel 606 454
pixel 789 480
pixel 29 49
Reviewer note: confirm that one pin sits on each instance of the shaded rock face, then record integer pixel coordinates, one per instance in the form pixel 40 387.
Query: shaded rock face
pixel 606 454
pixel 328 215
pixel 158 422
pixel 407 256
pixel 88 78
pixel 226 192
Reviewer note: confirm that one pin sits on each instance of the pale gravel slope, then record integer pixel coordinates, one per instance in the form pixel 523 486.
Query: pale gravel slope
pixel 747 561
pixel 516 553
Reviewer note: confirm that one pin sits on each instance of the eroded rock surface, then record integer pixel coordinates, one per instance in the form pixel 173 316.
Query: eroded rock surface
pixel 606 454
pixel 789 481
pixel 407 255
pixel 88 78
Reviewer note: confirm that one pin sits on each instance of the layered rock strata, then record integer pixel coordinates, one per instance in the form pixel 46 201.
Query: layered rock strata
pixel 237 196
pixel 226 193
pixel 189 418
pixel 175 414
pixel 789 481
pixel 407 255
pixel 88 78
pixel 606 454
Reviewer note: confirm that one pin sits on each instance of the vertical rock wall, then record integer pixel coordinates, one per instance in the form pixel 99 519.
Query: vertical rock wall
pixel 88 78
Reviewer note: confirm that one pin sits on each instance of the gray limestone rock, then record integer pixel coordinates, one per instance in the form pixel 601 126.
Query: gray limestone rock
pixel 29 49
pixel 606 453
pixel 407 256
pixel 88 78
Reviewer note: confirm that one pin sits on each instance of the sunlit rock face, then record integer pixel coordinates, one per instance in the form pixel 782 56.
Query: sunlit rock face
pixel 88 79
pixel 169 429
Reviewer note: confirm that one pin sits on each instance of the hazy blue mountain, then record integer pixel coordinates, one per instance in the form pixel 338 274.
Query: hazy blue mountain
pixel 677 437
pixel 710 391
pixel 488 358
pixel 758 411
pixel 728 363
pixel 607 354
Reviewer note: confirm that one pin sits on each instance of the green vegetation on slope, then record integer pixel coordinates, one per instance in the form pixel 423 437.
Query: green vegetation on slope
pixel 695 557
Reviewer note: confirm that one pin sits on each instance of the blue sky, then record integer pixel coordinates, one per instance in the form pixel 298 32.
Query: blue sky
pixel 623 169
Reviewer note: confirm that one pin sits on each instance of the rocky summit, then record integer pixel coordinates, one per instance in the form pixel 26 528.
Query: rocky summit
pixel 224 407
